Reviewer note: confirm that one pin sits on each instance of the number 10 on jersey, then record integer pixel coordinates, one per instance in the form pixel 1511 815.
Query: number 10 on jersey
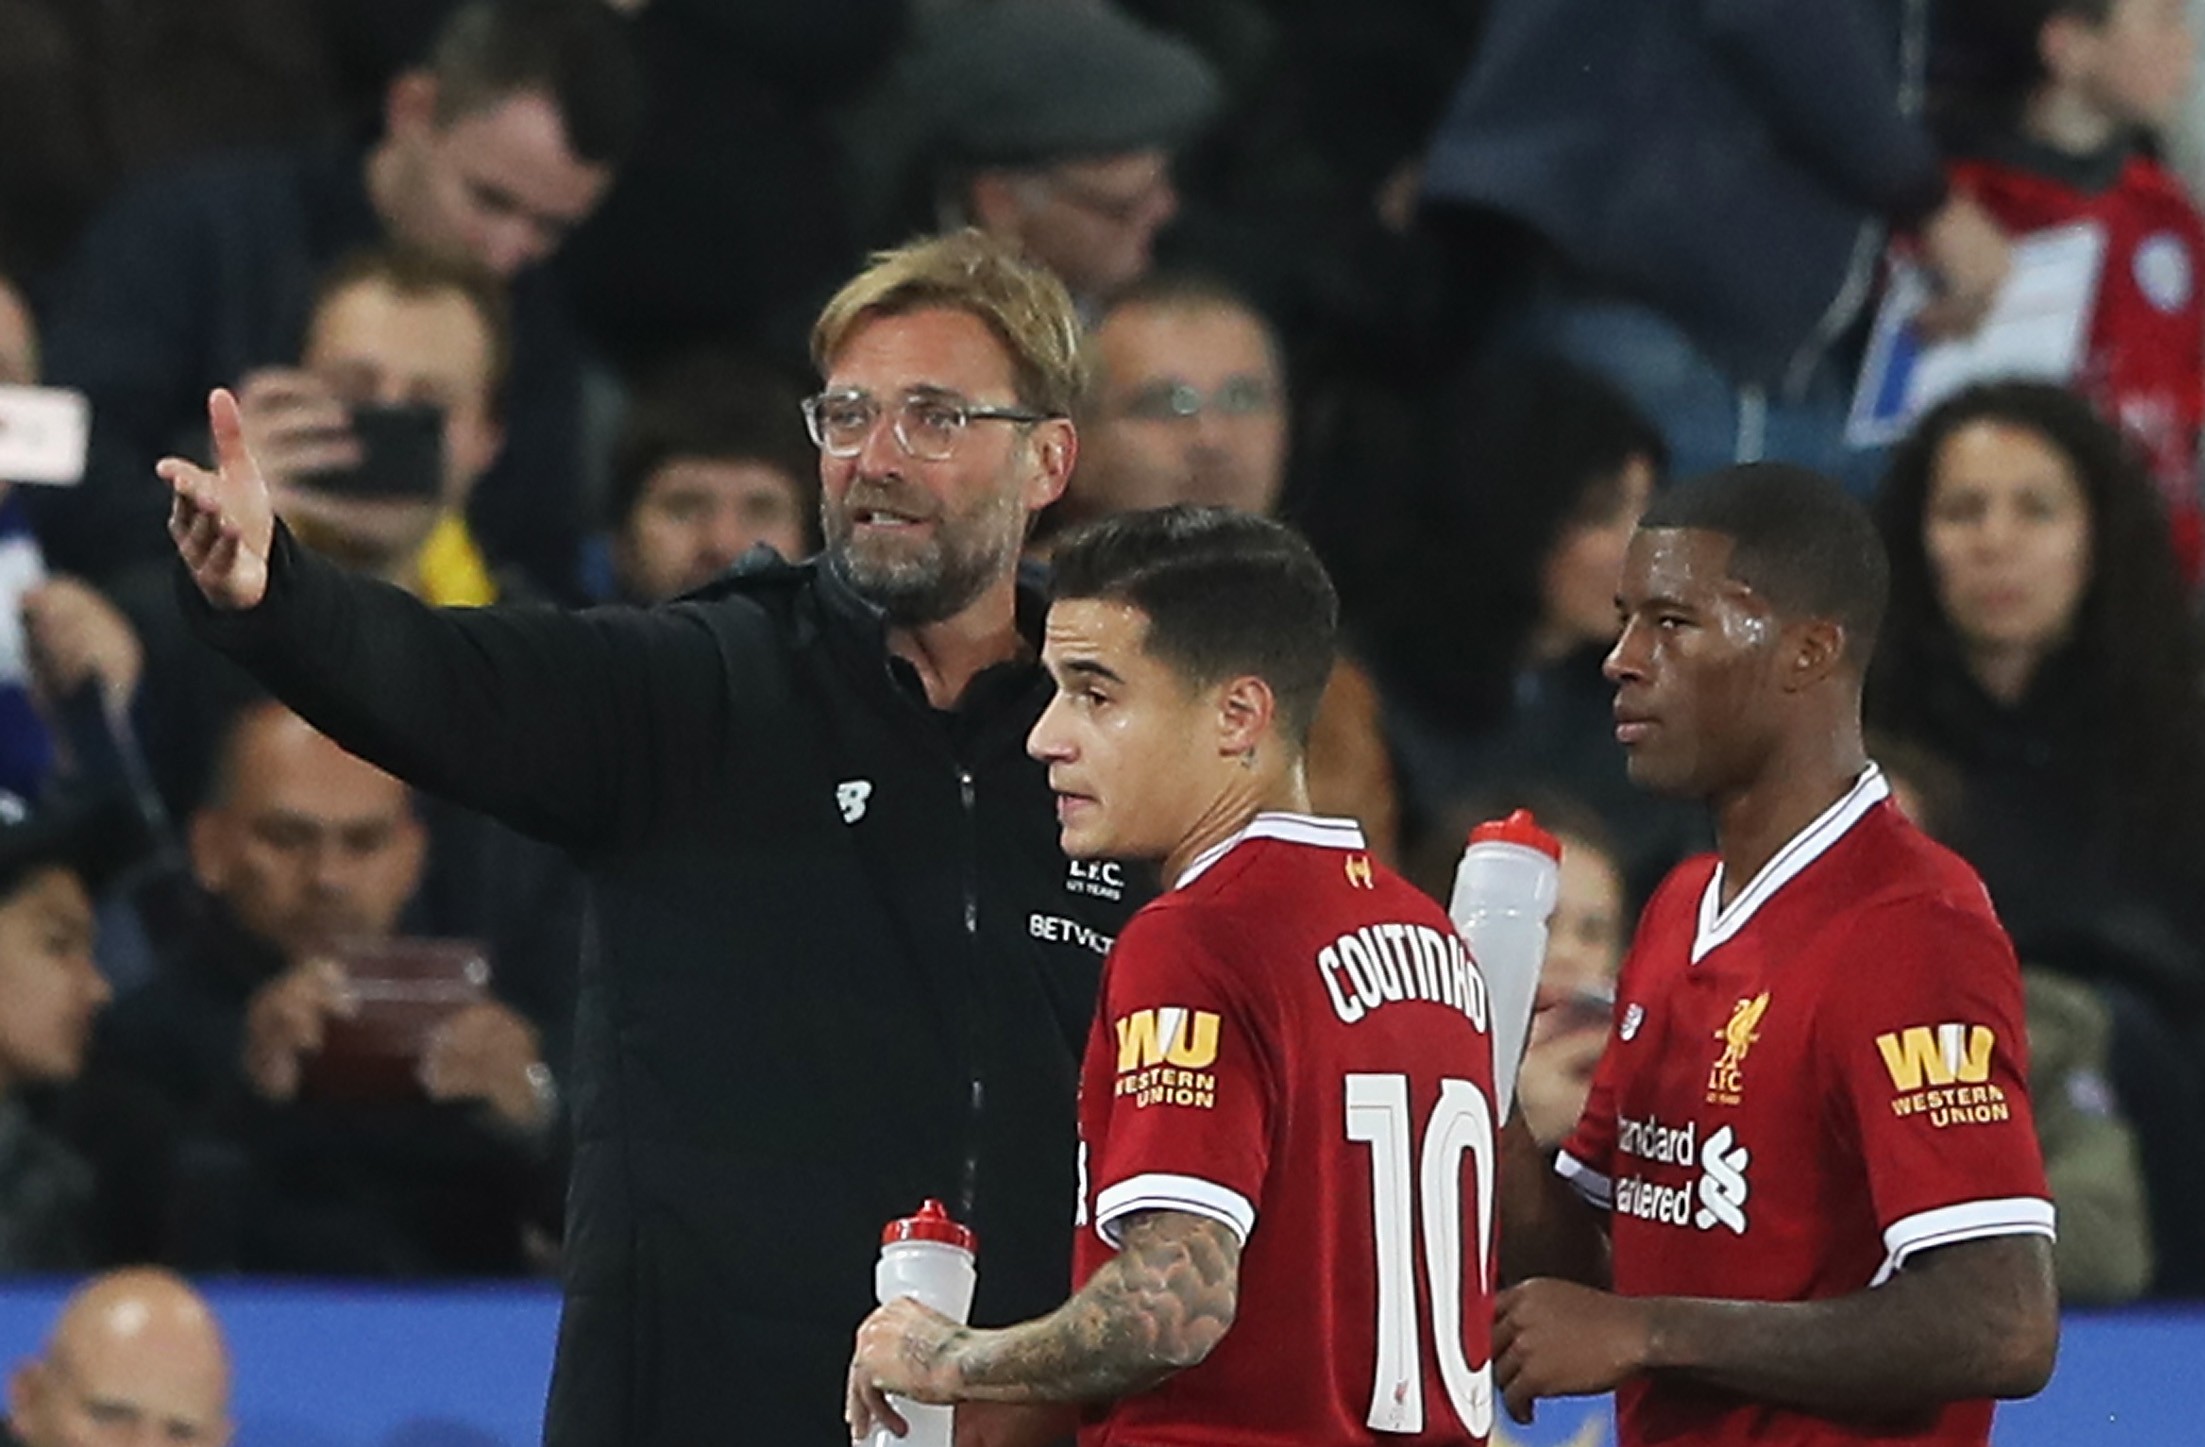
pixel 1379 1115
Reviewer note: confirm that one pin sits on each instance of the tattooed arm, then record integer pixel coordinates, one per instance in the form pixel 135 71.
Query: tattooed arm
pixel 1160 1306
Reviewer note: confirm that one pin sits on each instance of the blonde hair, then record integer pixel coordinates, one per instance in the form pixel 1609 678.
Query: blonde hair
pixel 1022 302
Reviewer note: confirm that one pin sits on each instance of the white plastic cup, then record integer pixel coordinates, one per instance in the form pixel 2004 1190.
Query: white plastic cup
pixel 1504 895
pixel 930 1257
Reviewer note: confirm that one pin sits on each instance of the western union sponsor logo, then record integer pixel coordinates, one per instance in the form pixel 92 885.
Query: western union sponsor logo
pixel 1939 1055
pixel 1167 1035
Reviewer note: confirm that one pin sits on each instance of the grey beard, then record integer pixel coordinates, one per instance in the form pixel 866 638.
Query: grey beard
pixel 971 554
pixel 918 591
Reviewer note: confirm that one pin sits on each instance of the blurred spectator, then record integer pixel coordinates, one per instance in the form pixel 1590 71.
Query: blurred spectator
pixel 304 851
pixel 712 462
pixel 2061 102
pixel 1052 124
pixel 1191 403
pixel 60 640
pixel 52 1217
pixel 1490 641
pixel 91 94
pixel 2038 639
pixel 497 146
pixel 1702 193
pixel 1191 408
pixel 389 328
pixel 736 192
pixel 135 1356
pixel 2104 1251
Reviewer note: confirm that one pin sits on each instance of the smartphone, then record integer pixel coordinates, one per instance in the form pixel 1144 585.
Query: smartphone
pixel 43 432
pixel 404 988
pixel 401 455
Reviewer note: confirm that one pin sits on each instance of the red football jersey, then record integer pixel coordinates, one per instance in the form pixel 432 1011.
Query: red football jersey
pixel 2146 362
pixel 1804 1088
pixel 1293 1041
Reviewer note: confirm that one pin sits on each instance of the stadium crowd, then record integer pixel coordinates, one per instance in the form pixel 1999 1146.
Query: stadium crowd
pixel 515 294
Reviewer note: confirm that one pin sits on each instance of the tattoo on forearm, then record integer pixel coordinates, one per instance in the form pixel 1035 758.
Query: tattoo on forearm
pixel 1158 1307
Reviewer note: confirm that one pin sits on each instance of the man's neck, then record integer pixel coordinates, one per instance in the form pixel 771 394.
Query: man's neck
pixel 948 655
pixel 1267 786
pixel 1754 822
pixel 2061 119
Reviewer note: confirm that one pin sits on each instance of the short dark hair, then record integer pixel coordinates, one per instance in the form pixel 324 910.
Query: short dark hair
pixel 574 52
pixel 1797 538
pixel 1225 594
pixel 720 407
pixel 1193 293
pixel 418 276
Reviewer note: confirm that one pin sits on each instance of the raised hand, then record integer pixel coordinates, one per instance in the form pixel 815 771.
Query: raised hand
pixel 222 522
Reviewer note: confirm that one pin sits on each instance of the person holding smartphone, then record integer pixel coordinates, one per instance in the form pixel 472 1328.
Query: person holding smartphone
pixel 375 441
pixel 59 637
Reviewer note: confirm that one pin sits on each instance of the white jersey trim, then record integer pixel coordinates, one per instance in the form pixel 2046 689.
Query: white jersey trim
pixel 1343 834
pixel 1968 1221
pixel 1587 1182
pixel 1804 848
pixel 1162 1191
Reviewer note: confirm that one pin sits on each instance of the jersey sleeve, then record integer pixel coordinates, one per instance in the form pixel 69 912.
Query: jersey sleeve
pixel 1587 1157
pixel 1926 1053
pixel 1187 1122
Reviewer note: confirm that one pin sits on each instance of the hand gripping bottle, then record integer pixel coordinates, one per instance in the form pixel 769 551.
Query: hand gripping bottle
pixel 928 1256
pixel 1504 895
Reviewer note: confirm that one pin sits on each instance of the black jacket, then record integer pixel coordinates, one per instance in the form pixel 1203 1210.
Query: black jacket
pixel 836 962
pixel 1725 161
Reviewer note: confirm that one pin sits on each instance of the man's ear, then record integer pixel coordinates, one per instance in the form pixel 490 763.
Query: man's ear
pixel 2060 44
pixel 1246 709
pixel 1816 648
pixel 208 842
pixel 409 106
pixel 26 1389
pixel 1056 444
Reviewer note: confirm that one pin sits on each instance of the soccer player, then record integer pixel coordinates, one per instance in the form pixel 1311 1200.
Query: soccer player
pixel 1287 1134
pixel 1808 1152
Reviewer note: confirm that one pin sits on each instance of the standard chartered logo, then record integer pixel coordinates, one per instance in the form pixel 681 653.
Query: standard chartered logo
pixel 1722 1183
pixel 1715 1197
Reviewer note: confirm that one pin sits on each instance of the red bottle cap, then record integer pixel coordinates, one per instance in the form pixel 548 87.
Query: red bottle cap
pixel 1518 828
pixel 931 1224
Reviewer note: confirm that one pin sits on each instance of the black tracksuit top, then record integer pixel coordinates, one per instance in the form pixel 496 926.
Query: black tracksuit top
pixel 835 962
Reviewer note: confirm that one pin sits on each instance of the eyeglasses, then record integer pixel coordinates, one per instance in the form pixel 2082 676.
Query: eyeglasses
pixel 1174 401
pixel 926 424
pixel 1154 198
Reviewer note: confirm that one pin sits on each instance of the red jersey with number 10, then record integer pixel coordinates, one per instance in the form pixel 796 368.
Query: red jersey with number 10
pixel 1293 1042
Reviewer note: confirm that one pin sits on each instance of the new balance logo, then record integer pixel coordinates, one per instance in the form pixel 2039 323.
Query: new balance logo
pixel 1947 1054
pixel 850 797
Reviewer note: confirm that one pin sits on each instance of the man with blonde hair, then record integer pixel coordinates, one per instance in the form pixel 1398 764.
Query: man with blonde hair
pixel 135 1356
pixel 839 963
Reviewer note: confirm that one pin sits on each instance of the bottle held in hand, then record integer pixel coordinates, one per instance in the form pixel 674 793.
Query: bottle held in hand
pixel 930 1257
pixel 1504 895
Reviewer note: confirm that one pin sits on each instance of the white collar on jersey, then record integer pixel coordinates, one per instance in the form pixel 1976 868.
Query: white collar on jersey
pixel 1293 828
pixel 1803 849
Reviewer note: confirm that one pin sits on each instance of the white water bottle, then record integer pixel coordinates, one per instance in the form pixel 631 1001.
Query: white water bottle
pixel 1504 894
pixel 928 1256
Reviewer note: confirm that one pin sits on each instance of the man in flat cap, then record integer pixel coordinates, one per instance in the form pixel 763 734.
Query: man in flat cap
pixel 1053 124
